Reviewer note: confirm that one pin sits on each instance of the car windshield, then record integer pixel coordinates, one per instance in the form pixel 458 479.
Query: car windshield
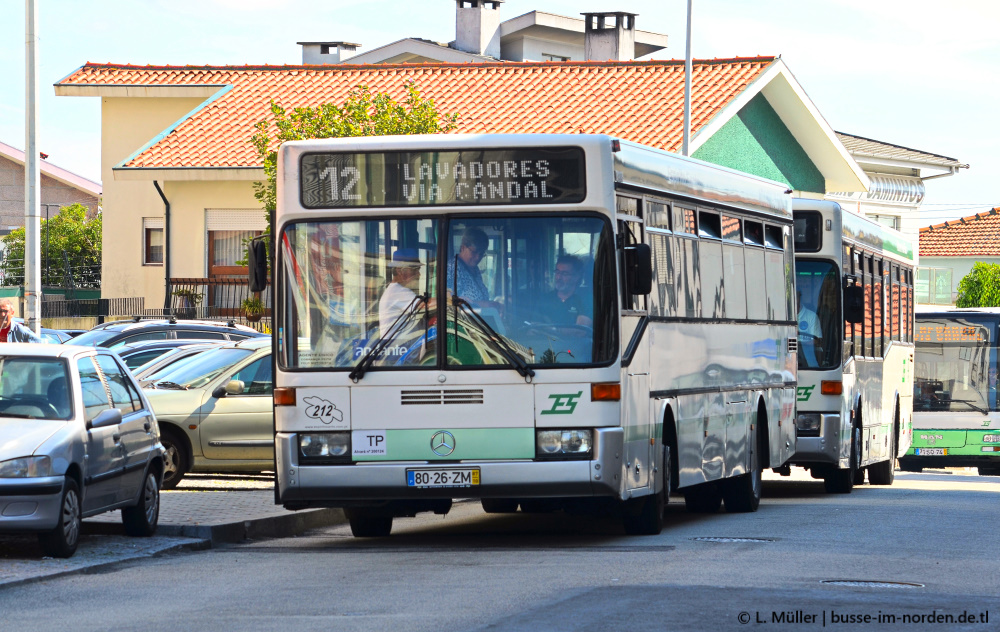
pixel 199 370
pixel 94 337
pixel 34 388
pixel 542 288
pixel 818 287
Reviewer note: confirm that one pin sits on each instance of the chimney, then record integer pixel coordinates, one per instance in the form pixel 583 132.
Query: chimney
pixel 609 36
pixel 477 27
pixel 327 52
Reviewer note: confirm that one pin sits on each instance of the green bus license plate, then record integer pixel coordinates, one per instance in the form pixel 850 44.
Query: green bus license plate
pixel 931 451
pixel 458 477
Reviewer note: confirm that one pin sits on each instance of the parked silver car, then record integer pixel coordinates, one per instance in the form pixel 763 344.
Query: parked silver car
pixel 77 438
pixel 215 411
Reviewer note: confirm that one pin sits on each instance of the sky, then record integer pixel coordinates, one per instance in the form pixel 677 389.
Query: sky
pixel 923 74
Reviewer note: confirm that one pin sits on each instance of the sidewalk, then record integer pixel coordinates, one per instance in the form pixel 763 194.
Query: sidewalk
pixel 201 514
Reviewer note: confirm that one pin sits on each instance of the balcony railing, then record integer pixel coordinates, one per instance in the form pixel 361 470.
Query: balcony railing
pixel 215 298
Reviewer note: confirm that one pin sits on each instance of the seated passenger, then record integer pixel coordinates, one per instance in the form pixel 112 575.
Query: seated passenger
pixel 399 294
pixel 564 305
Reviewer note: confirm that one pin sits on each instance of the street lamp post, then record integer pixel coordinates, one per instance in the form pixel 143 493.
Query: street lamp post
pixel 46 276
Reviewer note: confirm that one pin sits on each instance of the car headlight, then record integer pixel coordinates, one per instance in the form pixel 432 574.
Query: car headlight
pixel 563 444
pixel 808 424
pixel 26 467
pixel 325 447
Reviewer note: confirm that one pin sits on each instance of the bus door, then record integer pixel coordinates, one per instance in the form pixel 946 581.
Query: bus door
pixel 636 404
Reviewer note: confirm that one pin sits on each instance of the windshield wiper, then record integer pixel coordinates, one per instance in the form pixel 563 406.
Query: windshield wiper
pixel 971 404
pixel 375 350
pixel 172 385
pixel 506 350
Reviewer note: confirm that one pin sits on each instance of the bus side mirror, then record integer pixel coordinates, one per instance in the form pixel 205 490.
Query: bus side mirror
pixel 257 263
pixel 639 269
pixel 854 303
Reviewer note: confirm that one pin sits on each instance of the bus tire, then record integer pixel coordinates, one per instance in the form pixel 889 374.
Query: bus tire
pixel 499 505
pixel 840 481
pixel 644 516
pixel 884 473
pixel 365 524
pixel 742 493
pixel 704 498
pixel 988 471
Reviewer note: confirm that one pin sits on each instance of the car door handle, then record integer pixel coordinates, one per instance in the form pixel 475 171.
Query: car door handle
pixel 147 425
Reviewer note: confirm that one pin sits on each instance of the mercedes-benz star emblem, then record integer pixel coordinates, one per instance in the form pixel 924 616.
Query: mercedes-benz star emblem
pixel 443 443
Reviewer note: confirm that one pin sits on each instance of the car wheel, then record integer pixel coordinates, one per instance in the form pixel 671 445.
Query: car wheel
pixel 175 461
pixel 141 519
pixel 63 540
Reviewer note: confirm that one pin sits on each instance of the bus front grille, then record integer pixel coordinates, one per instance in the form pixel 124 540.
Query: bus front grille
pixel 464 396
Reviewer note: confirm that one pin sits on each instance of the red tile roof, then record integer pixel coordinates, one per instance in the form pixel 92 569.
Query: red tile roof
pixel 637 101
pixel 976 235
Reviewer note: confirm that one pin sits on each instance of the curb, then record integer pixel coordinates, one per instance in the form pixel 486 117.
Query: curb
pixel 280 526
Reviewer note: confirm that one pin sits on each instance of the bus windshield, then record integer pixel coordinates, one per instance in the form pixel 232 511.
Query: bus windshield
pixel 818 287
pixel 956 366
pixel 540 287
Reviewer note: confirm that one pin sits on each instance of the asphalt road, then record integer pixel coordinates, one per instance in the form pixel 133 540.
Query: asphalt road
pixel 908 557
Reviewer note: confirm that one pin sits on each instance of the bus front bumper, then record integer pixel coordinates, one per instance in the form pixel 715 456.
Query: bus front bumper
pixel 352 485
pixel 822 449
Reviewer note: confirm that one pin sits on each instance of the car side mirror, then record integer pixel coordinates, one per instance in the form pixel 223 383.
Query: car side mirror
pixel 639 269
pixel 105 418
pixel 232 387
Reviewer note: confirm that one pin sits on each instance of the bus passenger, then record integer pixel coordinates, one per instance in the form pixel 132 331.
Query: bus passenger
pixel 563 305
pixel 465 278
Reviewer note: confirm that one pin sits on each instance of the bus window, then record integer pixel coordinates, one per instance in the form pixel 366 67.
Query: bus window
pixel 657 215
pixel 753 233
pixel 732 229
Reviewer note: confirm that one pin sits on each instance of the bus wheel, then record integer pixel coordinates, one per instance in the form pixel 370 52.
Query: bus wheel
pixel 884 473
pixel 704 498
pixel 365 524
pixel 499 505
pixel 742 493
pixel 989 471
pixel 644 516
pixel 842 481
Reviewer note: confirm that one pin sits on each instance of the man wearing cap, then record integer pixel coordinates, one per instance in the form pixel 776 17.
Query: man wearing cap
pixel 399 294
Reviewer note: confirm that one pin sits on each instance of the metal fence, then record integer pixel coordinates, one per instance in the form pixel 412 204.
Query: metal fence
pixel 56 272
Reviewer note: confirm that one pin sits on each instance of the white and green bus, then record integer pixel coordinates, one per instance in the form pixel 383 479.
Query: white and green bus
pixel 956 417
pixel 854 282
pixel 543 322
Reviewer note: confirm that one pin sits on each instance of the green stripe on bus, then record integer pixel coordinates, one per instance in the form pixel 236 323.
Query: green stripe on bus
pixel 468 444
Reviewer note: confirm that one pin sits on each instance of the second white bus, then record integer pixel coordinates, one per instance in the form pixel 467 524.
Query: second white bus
pixel 854 279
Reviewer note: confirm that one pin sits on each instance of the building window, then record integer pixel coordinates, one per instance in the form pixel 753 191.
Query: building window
pixel 551 57
pixel 152 239
pixel 892 221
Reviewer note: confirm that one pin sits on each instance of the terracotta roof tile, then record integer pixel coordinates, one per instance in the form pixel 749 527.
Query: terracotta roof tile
pixel 637 101
pixel 973 236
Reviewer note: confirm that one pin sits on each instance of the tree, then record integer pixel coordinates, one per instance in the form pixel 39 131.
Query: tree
pixel 364 113
pixel 69 232
pixel 980 287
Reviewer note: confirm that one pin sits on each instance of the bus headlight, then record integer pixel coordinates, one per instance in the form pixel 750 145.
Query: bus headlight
pixel 325 447
pixel 563 444
pixel 808 424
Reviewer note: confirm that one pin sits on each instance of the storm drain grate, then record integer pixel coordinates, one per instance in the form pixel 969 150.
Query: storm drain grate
pixel 734 540
pixel 858 583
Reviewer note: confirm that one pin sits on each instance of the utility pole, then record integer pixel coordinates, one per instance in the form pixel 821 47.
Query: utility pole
pixel 687 87
pixel 32 178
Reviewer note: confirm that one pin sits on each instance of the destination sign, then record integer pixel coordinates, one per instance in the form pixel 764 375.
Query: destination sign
pixel 540 175
pixel 952 333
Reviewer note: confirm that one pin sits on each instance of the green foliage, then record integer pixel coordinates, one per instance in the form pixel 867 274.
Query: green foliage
pixel 193 296
pixel 364 113
pixel 980 287
pixel 68 232
pixel 253 305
